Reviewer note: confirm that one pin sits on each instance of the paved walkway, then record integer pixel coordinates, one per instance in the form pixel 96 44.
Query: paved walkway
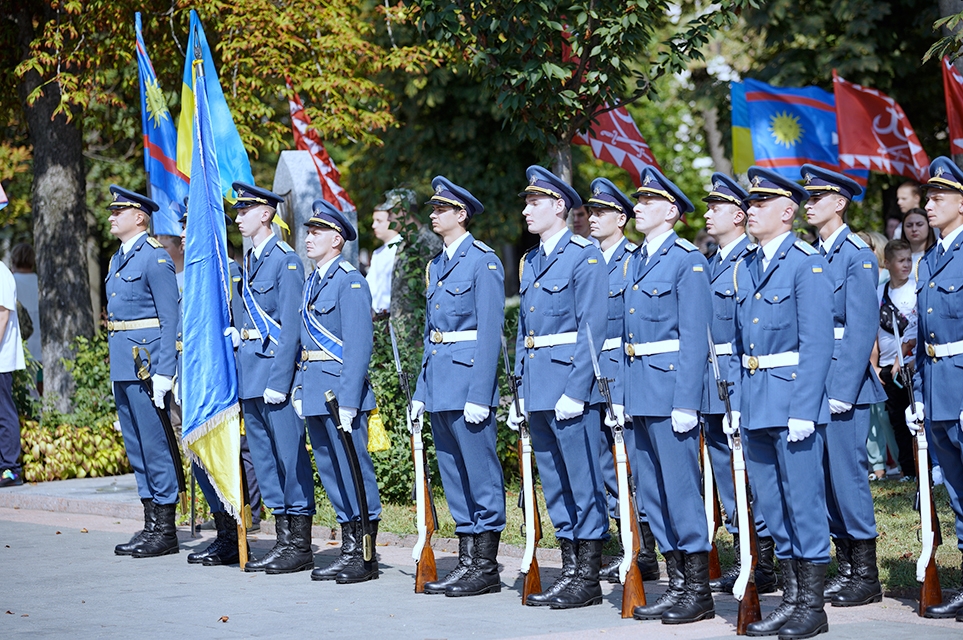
pixel 60 578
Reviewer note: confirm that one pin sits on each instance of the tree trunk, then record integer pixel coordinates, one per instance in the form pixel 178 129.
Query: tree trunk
pixel 562 161
pixel 949 8
pixel 714 141
pixel 59 229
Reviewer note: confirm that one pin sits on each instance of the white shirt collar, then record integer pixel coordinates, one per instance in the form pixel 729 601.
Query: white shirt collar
pixel 453 247
pixel 770 248
pixel 651 245
pixel 393 241
pixel 548 246
pixel 323 268
pixel 608 253
pixel 828 243
pixel 258 250
pixel 948 240
pixel 127 246
pixel 728 249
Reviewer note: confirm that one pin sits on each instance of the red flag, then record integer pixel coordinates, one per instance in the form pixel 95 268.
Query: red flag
pixel 953 87
pixel 875 134
pixel 306 138
pixel 615 139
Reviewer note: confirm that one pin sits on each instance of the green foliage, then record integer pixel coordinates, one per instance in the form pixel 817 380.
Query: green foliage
pixel 71 451
pixel 949 45
pixel 93 400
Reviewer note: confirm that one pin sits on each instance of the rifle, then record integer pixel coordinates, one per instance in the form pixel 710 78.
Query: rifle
pixel 713 512
pixel 526 497
pixel 744 588
pixel 633 591
pixel 930 591
pixel 143 374
pixel 427 520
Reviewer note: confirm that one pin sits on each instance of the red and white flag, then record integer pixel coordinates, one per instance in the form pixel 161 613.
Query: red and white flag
pixel 617 140
pixel 875 134
pixel 306 138
pixel 953 87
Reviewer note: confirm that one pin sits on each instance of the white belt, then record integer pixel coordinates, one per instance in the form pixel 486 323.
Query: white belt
pixel 611 343
pixel 651 348
pixel 724 349
pixel 785 359
pixel 838 332
pixel 250 334
pixel 551 340
pixel 944 350
pixel 438 337
pixel 313 356
pixel 130 325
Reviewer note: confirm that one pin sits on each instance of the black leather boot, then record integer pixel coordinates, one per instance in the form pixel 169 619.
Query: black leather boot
pixel 725 582
pixel 569 562
pixel 296 555
pixel 358 570
pixel 584 589
pixel 348 544
pixel 674 567
pixel 282 533
pixel 466 544
pixel 610 572
pixel 647 560
pixel 864 587
pixel 224 549
pixel 482 576
pixel 765 575
pixel 127 548
pixel 844 573
pixel 696 603
pixel 162 538
pixel 771 624
pixel 808 619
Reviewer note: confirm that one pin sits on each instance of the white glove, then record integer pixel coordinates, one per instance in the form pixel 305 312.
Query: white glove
pixel 684 420
pixel 516 418
pixel 799 430
pixel 914 417
pixel 619 411
pixel 235 336
pixel 273 397
pixel 296 403
pixel 566 408
pixel 162 384
pixel 346 417
pixel 736 421
pixel 961 419
pixel 476 413
pixel 176 391
pixel 838 406
pixel 417 410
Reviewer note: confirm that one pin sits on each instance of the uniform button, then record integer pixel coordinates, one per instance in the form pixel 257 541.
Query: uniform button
pixel 635 287
pixel 775 298
pixel 611 292
pixel 631 335
pixel 441 283
pixel 728 292
pixel 531 308
pixel 143 339
pixel 323 309
pixel 473 361
pixel 531 333
pixel 932 284
pixel 537 285
pixel 755 321
pixel 930 310
pixel 572 358
pixel 758 296
pixel 437 306
pixel 631 310
pixel 112 295
pixel 952 288
pixel 671 367
pixel 117 275
pixel 457 290
pixel 554 288
pixel 111 315
pixel 272 352
pixel 794 376
pixel 434 351
pixel 752 346
pixel 932 335
pixel 311 307
pixel 655 291
pixel 531 355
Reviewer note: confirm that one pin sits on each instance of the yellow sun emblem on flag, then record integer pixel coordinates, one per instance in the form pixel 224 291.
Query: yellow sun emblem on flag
pixel 156 105
pixel 785 129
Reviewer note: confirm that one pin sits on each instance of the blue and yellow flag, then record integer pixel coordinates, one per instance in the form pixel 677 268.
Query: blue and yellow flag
pixel 232 161
pixel 211 428
pixel 168 186
pixel 742 154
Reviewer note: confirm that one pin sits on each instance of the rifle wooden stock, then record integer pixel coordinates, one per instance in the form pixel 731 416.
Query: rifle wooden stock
pixel 931 593
pixel 533 579
pixel 426 570
pixel 633 591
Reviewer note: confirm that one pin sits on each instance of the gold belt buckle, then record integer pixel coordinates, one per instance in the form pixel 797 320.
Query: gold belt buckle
pixel 110 325
pixel 753 364
pixel 630 349
pixel 930 350
pixel 529 342
pixel 304 355
pixel 244 334
pixel 436 337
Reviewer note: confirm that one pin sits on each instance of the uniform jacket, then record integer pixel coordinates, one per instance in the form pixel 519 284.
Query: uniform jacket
pixel 341 301
pixel 786 309
pixel 142 285
pixel 276 279
pixel 468 294
pixel 939 301
pixel 666 299
pixel 723 330
pixel 568 293
pixel 854 272
pixel 610 362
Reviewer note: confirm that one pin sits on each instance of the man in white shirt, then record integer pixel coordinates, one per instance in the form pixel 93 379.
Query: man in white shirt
pixel 11 359
pixel 385 229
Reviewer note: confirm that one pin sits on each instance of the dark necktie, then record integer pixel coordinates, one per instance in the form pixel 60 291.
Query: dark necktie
pixel 822 250
pixel 940 251
pixel 444 262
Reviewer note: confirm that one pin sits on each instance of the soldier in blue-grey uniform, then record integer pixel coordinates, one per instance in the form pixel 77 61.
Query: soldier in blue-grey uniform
pixel 852 385
pixel 938 381
pixel 563 285
pixel 609 212
pixel 784 340
pixel 667 309
pixel 458 385
pixel 337 338
pixel 726 223
pixel 266 334
pixel 142 313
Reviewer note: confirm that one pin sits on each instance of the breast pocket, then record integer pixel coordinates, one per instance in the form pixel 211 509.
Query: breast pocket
pixel 951 300
pixel 723 304
pixel 616 304
pixel 777 310
pixel 460 301
pixel 265 295
pixel 324 306
pixel 559 297
pixel 656 301
pixel 132 285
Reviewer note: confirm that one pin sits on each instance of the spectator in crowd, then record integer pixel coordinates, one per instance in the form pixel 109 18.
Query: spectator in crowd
pixel 893 223
pixel 172 244
pixel 706 243
pixel 917 231
pixel 909 196
pixel 23 261
pixel 877 242
pixel 11 359
pixel 581 226
pixel 385 229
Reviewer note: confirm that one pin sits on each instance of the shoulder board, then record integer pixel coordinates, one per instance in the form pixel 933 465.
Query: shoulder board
pixel 856 240
pixel 579 240
pixel 484 247
pixel 285 247
pixel 154 242
pixel 685 244
pixel 805 247
pixel 631 247
pixel 752 246
pixel 346 266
